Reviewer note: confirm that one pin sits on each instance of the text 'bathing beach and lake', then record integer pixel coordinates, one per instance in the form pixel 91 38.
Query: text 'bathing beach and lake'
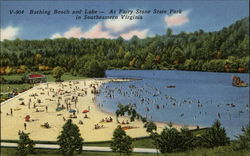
pixel 98 14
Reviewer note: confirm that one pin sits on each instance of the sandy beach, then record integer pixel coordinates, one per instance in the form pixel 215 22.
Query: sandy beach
pixel 50 103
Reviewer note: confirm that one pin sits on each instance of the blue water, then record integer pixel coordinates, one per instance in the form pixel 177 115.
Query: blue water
pixel 199 98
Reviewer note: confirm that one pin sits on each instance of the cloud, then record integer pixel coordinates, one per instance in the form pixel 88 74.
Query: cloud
pixel 119 25
pixel 97 32
pixel 111 28
pixel 177 19
pixel 138 33
pixel 56 35
pixel 107 29
pixel 76 32
pixel 9 33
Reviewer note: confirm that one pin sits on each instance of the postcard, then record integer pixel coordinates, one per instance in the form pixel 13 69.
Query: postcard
pixel 137 76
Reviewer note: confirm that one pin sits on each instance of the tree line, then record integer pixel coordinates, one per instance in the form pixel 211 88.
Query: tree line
pixel 220 51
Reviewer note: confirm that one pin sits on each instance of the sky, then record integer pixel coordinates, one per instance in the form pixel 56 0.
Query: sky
pixel 179 15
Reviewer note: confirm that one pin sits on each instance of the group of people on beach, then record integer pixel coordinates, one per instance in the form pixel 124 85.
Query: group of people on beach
pixel 110 119
pixel 97 126
pixel 64 96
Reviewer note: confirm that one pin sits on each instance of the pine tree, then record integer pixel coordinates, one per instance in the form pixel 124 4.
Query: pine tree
pixel 216 136
pixel 25 145
pixel 121 142
pixel 70 139
pixel 169 140
pixel 243 140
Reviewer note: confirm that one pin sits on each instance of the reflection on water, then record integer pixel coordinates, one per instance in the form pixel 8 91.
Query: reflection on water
pixel 184 97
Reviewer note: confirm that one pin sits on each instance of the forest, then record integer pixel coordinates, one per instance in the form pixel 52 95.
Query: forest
pixel 226 50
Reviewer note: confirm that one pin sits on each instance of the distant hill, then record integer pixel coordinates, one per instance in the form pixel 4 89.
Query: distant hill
pixel 226 50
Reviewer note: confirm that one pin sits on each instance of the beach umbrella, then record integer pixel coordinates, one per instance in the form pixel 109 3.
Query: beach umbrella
pixel 27 118
pixel 72 110
pixel 85 111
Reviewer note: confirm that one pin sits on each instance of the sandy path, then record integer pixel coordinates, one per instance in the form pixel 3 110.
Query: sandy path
pixel 49 93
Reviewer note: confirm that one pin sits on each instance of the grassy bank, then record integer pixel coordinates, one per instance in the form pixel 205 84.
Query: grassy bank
pixel 144 142
pixel 50 78
pixel 7 88
pixel 218 151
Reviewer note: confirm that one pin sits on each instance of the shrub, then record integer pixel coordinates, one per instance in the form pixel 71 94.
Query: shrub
pixel 121 142
pixel 215 136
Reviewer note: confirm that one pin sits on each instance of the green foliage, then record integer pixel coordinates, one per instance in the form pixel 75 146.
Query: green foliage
pixel 25 145
pixel 57 73
pixel 169 32
pixel 243 140
pixel 177 56
pixel 218 151
pixel 199 51
pixel 93 69
pixel 169 140
pixel 121 142
pixel 70 140
pixel 215 136
pixel 188 141
pixel 156 140
pixel 130 110
pixel 150 126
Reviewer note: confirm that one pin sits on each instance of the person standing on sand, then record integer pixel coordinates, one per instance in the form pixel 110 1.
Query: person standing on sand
pixel 25 126
pixel 11 112
pixel 46 108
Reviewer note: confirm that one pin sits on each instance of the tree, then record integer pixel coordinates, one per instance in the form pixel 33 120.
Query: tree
pixel 93 69
pixel 149 61
pixel 57 73
pixel 155 137
pixel 150 126
pixel 177 56
pixel 243 140
pixel 215 136
pixel 120 40
pixel 188 140
pixel 24 69
pixel 70 140
pixel 120 53
pixel 169 32
pixel 121 142
pixel 25 145
pixel 8 70
pixel 38 58
pixel 169 140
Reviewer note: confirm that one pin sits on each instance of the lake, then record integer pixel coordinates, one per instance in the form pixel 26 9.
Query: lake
pixel 194 98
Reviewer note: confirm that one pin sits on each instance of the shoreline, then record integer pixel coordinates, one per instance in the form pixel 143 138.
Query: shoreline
pixel 160 122
pixel 96 113
pixel 184 70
